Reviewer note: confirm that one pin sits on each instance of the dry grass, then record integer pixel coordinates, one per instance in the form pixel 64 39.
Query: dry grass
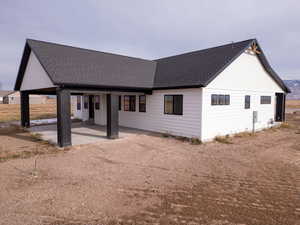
pixel 244 134
pixel 293 103
pixel 285 125
pixel 37 146
pixel 37 111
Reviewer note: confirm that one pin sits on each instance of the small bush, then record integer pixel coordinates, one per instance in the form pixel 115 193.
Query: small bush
pixel 181 138
pixel 165 135
pixel 244 134
pixel 195 141
pixel 223 139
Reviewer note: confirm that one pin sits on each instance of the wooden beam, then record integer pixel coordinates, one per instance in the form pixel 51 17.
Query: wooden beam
pixel 112 116
pixel 254 48
pixel 63 118
pixel 25 113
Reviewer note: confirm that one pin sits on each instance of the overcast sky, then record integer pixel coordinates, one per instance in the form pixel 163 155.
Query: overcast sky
pixel 151 29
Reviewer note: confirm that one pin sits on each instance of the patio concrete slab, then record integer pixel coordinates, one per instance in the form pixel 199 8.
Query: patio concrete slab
pixel 82 133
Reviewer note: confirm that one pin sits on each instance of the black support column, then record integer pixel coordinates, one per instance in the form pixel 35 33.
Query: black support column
pixel 25 116
pixel 283 107
pixel 112 116
pixel 63 118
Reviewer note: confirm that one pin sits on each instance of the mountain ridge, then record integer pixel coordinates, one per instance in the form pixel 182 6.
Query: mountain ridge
pixel 294 86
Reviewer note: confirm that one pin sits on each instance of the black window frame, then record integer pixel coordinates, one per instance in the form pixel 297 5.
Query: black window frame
pixel 97 103
pixel 142 106
pixel 78 107
pixel 247 102
pixel 265 100
pixel 220 99
pixel 132 103
pixel 85 101
pixel 120 102
pixel 177 106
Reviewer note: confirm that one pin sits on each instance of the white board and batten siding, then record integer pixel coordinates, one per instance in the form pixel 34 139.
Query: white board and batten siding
pixel 245 76
pixel 154 119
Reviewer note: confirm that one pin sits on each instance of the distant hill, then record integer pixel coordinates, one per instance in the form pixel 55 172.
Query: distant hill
pixel 294 86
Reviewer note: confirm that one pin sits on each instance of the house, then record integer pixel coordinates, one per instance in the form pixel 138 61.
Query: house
pixel 201 94
pixel 4 96
pixel 13 97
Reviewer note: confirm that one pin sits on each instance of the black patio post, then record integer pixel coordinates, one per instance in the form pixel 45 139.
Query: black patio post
pixel 112 127
pixel 25 116
pixel 63 117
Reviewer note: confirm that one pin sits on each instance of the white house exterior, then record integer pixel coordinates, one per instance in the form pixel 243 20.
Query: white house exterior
pixel 203 94
pixel 200 119
pixel 188 124
pixel 244 76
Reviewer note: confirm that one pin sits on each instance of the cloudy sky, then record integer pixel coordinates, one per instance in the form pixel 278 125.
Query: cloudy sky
pixel 151 29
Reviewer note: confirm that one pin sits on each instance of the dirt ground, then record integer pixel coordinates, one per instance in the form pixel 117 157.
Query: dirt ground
pixel 146 179
pixel 11 112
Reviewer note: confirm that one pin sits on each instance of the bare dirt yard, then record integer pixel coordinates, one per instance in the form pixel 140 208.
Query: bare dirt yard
pixel 143 179
pixel 11 112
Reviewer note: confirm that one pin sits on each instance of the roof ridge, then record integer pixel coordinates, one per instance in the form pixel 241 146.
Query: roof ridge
pixel 205 49
pixel 88 49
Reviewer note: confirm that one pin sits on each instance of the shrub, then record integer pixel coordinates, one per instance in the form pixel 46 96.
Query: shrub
pixel 195 141
pixel 223 139
pixel 244 134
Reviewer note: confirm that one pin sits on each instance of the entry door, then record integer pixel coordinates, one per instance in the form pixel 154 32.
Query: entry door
pixel 91 107
pixel 280 107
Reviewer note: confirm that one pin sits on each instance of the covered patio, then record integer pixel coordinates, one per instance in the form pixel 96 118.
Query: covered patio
pixel 82 132
pixel 66 133
pixel 52 69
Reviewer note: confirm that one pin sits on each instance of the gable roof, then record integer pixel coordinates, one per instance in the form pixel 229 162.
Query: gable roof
pixel 76 67
pixel 196 68
pixel 5 93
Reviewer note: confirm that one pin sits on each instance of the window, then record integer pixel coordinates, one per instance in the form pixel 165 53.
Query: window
pixel 214 100
pixel 86 102
pixel 129 103
pixel 227 99
pixel 173 104
pixel 120 102
pixel 247 101
pixel 97 102
pixel 78 102
pixel 265 99
pixel 142 103
pixel 220 99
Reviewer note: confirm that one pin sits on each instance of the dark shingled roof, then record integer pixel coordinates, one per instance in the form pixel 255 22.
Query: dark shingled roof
pixel 70 65
pixel 196 68
pixel 77 67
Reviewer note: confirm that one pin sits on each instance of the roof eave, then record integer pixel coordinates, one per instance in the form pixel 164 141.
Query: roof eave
pixel 104 87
